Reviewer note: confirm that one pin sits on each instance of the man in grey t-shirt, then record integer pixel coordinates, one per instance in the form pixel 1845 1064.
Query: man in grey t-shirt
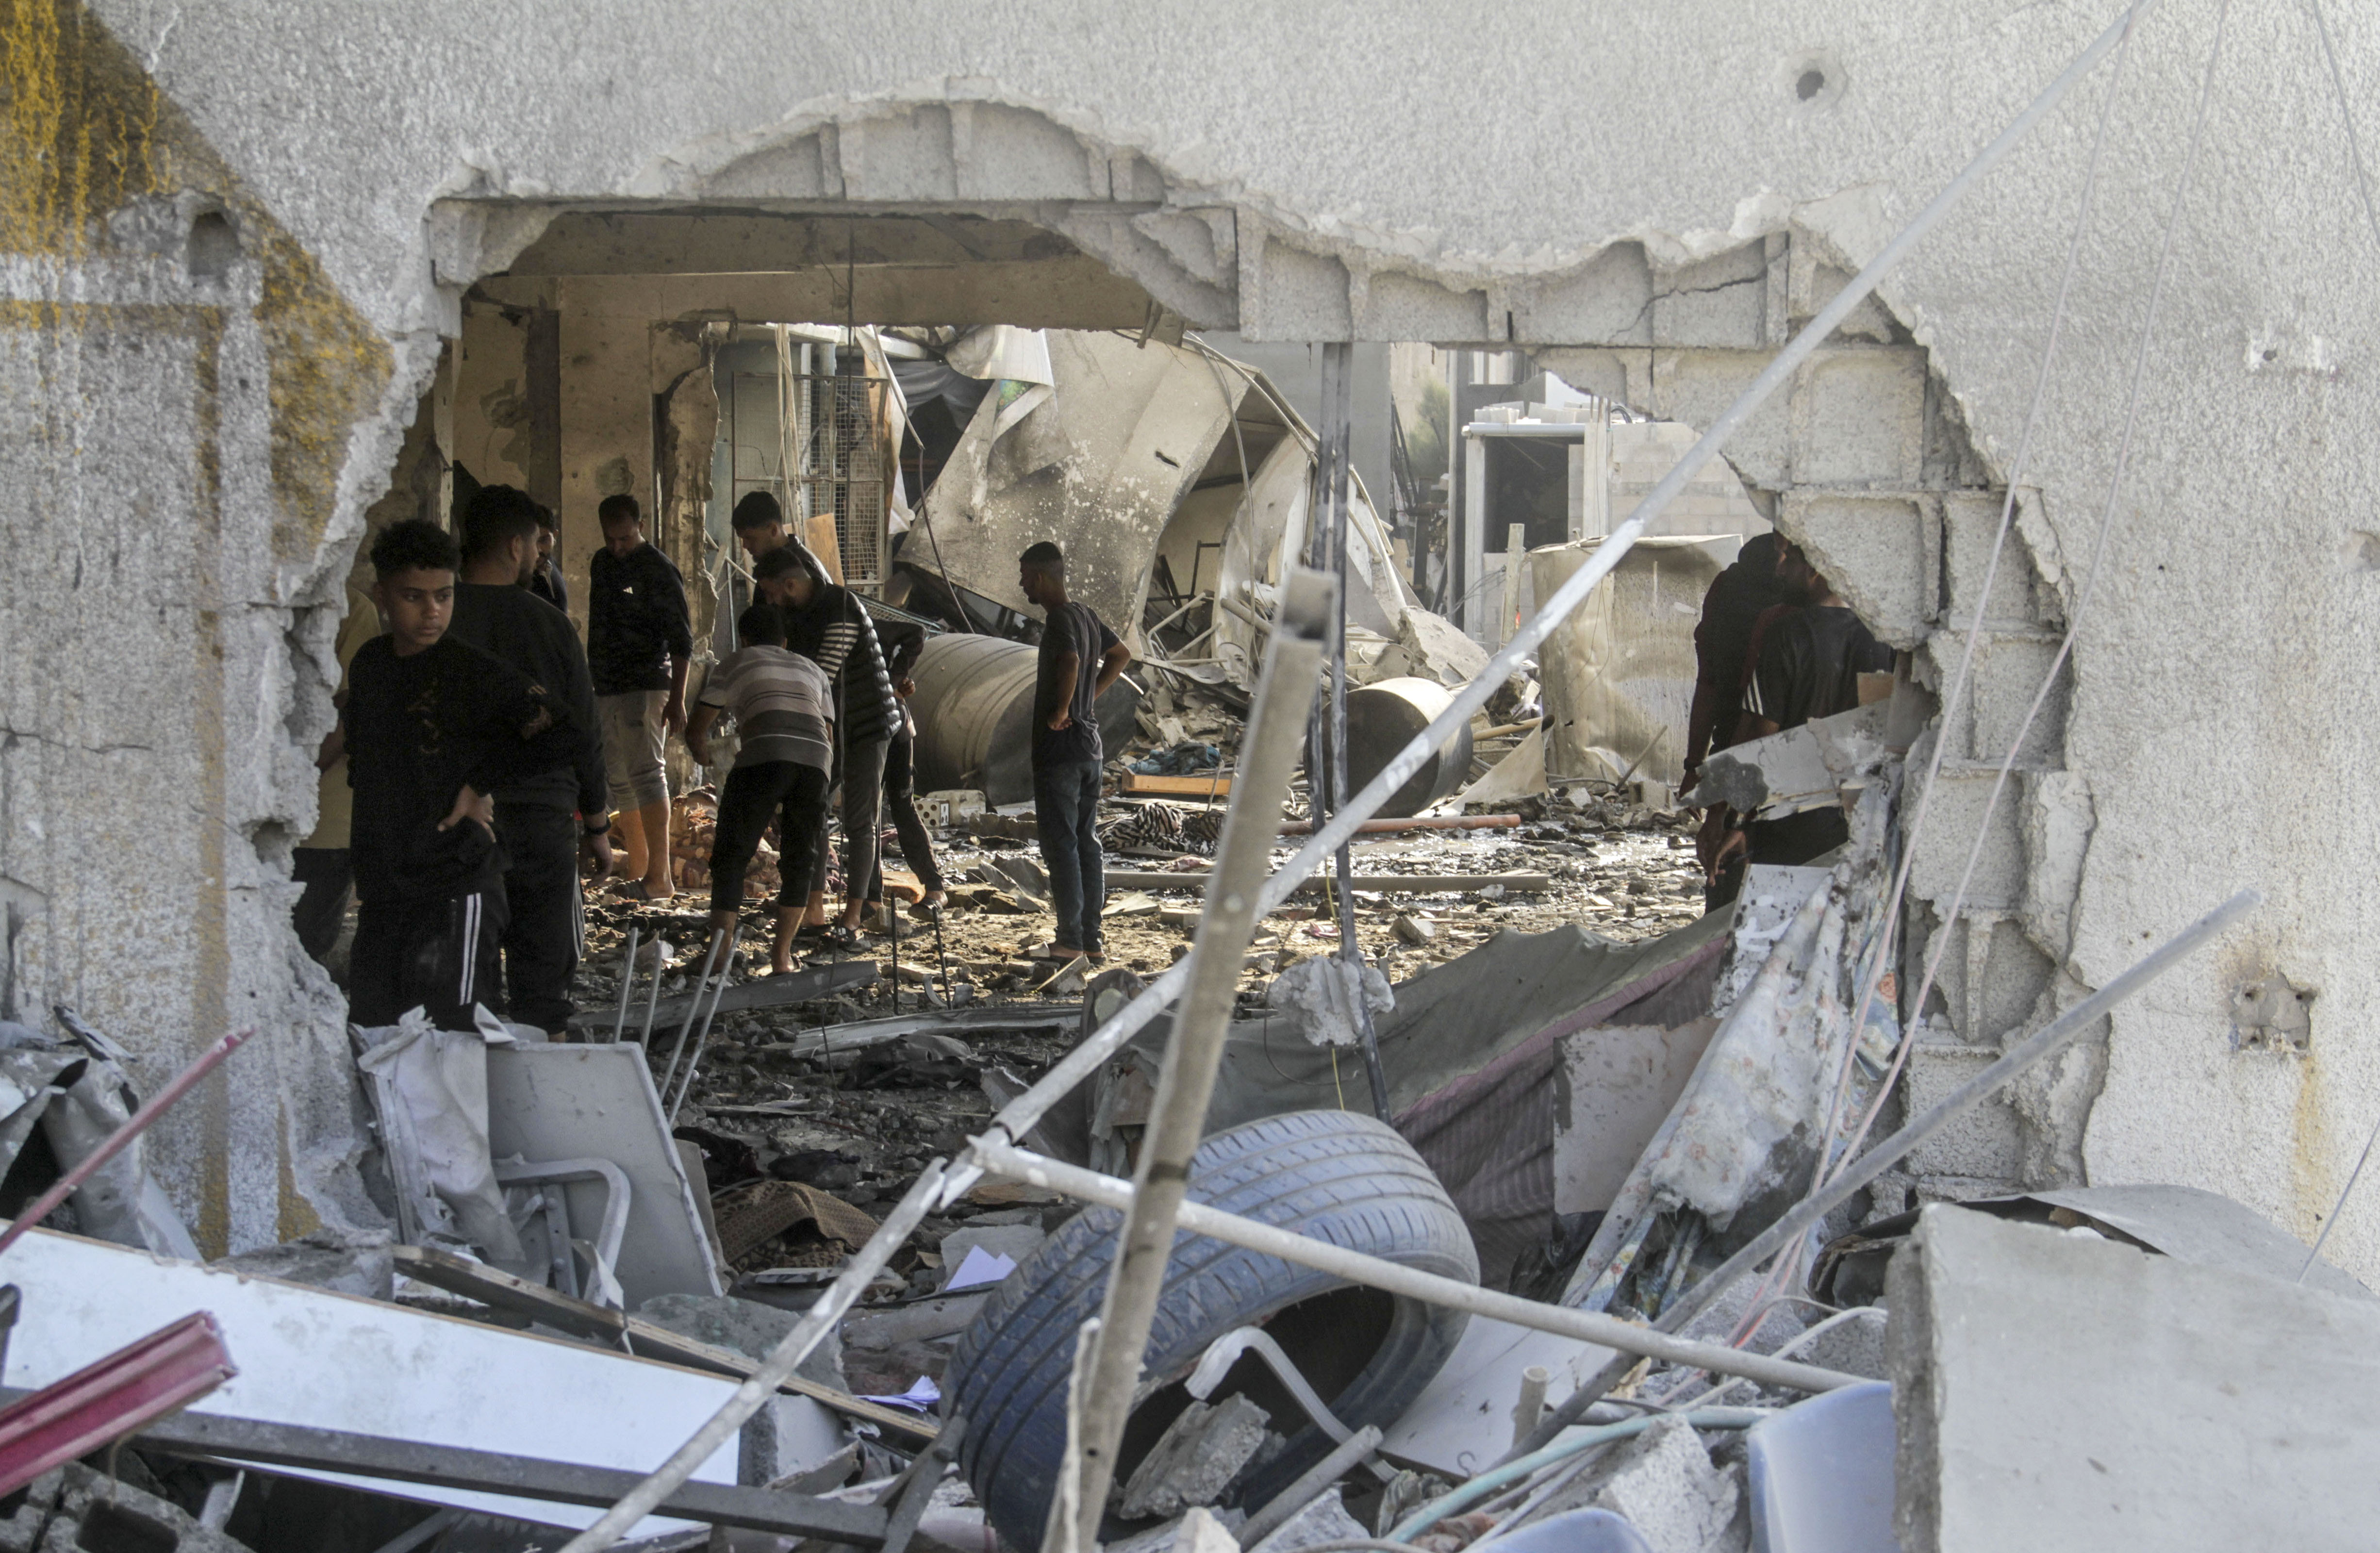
pixel 1080 658
pixel 784 718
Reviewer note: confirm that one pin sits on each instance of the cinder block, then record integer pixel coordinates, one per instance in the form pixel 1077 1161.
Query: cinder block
pixel 1873 549
pixel 1401 306
pixel 1605 301
pixel 1696 387
pixel 1958 813
pixel 1988 1141
pixel 900 157
pixel 1859 418
pixel 1969 521
pixel 2060 1392
pixel 1287 293
pixel 2009 672
pixel 1720 302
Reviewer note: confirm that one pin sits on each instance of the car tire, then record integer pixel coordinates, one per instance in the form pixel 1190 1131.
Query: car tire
pixel 1335 1175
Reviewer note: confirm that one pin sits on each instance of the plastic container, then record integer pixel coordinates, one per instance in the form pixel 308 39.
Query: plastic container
pixel 1574 1530
pixel 1821 1475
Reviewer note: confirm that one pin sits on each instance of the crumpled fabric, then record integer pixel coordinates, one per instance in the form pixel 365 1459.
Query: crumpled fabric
pixel 1179 759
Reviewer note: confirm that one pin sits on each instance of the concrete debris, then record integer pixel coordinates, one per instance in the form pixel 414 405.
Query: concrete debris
pixel 2142 1401
pixel 76 1507
pixel 1320 995
pixel 1323 1519
pixel 1749 1127
pixel 1804 768
pixel 1195 1459
pixel 1663 1482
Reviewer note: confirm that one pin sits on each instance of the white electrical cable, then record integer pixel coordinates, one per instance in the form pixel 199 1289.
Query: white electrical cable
pixel 2082 602
pixel 2018 468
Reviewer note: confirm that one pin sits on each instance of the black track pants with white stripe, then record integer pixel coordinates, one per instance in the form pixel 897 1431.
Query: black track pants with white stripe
pixel 435 954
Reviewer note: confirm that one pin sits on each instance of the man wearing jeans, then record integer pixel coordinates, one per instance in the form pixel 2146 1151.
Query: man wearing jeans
pixel 1066 746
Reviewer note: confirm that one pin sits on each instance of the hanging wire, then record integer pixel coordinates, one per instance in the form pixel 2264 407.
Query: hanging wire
pixel 2019 467
pixel 2089 582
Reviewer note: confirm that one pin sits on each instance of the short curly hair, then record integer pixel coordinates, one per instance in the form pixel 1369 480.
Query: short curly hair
pixel 416 542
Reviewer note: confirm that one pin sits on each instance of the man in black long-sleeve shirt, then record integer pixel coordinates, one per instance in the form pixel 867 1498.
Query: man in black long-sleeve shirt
pixel 538 821
pixel 830 626
pixel 431 729
pixel 640 645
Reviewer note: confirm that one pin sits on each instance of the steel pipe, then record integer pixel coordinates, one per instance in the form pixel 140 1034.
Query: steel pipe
pixel 1607 1331
pixel 1186 1081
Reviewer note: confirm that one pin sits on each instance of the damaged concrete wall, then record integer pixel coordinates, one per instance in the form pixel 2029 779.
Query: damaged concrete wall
pixel 184 387
pixel 1770 149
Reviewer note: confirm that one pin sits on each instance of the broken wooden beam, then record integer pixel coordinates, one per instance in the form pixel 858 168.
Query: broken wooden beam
pixel 1384 884
pixel 1209 784
pixel 767 991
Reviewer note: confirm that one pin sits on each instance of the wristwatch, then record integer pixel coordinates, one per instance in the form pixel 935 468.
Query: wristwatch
pixel 602 829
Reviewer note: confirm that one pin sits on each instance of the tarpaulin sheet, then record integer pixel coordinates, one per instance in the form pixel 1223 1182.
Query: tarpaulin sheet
pixel 1471 1052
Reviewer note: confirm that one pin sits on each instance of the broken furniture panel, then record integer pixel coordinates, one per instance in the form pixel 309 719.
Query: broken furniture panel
pixel 597 1102
pixel 1617 1084
pixel 321 1360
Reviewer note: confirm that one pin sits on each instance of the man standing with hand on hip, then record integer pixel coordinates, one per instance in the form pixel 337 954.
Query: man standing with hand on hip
pixel 1080 658
pixel 640 644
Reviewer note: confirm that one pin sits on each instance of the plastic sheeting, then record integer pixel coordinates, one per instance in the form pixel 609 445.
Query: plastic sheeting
pixel 1618 674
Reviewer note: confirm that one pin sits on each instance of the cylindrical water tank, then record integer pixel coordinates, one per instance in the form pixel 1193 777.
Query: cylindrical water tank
pixel 973 706
pixel 1382 718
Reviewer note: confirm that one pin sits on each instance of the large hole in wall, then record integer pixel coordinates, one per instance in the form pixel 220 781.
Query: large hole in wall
pixel 688 358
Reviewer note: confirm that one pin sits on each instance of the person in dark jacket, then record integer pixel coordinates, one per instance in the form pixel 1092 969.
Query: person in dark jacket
pixel 546 580
pixel 1722 640
pixel 827 624
pixel 544 820
pixel 640 645
pixel 1806 665
pixel 433 728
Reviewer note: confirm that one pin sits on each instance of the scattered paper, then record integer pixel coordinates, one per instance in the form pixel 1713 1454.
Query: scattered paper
pixel 918 1397
pixel 977 1269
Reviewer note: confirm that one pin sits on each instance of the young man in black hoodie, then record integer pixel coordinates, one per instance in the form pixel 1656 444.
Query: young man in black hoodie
pixel 433 728
pixel 543 820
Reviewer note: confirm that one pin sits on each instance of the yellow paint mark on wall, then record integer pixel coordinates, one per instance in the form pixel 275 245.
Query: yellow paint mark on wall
pixel 84 133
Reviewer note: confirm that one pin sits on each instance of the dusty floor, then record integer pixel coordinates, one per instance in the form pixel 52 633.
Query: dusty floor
pixel 860 1125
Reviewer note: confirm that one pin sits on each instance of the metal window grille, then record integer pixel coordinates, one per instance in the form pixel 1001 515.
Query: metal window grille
pixel 841 466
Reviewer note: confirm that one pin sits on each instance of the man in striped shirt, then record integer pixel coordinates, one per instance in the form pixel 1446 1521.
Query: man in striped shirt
pixel 784 718
pixel 829 625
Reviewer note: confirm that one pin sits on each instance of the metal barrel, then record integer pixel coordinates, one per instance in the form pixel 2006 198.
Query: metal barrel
pixel 1382 718
pixel 973 708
